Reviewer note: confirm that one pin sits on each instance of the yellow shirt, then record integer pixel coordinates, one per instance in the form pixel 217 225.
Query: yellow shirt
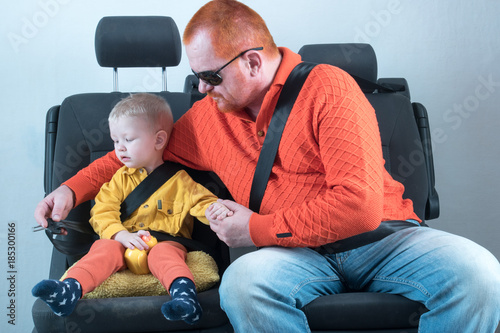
pixel 170 209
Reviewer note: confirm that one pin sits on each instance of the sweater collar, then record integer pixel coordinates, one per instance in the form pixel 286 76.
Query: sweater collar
pixel 288 62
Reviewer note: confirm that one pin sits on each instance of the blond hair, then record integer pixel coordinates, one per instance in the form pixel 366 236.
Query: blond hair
pixel 154 109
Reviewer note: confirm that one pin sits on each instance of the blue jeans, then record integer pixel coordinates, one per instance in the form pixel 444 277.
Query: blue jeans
pixel 456 279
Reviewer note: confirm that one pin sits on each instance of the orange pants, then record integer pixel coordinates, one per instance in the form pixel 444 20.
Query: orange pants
pixel 166 261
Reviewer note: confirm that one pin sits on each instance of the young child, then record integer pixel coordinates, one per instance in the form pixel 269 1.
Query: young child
pixel 140 126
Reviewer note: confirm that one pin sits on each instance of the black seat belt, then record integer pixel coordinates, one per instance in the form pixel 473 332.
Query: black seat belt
pixel 369 86
pixel 144 190
pixel 147 187
pixel 287 98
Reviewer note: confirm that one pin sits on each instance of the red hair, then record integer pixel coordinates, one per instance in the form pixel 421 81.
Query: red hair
pixel 232 26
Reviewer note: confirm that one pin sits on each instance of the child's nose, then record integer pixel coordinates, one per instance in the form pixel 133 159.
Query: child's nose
pixel 120 147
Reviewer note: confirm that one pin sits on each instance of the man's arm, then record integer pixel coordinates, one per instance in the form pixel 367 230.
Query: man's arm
pixel 88 181
pixel 80 188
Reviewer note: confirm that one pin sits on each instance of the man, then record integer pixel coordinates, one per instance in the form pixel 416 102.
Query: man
pixel 328 183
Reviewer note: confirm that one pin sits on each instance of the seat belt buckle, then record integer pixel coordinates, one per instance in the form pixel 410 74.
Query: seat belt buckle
pixel 55 228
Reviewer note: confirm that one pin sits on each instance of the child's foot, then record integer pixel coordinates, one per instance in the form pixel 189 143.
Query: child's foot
pixel 184 304
pixel 60 296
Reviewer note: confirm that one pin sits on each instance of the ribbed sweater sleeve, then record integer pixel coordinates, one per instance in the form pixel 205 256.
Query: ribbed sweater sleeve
pixel 88 181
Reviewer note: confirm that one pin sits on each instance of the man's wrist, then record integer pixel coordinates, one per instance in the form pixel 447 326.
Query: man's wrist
pixel 73 196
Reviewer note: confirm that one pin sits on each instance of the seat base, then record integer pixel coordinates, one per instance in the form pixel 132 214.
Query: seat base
pixel 129 314
pixel 363 312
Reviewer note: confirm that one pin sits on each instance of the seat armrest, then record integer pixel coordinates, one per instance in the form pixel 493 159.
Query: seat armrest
pixel 422 119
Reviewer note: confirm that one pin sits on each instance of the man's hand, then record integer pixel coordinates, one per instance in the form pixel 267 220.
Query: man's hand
pixel 56 205
pixel 234 230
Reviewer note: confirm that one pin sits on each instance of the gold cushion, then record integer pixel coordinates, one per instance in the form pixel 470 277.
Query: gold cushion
pixel 127 284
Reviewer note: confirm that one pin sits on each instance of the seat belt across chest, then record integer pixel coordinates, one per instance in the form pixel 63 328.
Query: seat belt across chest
pixel 291 89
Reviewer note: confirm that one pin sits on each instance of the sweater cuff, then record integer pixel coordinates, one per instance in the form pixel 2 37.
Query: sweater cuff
pixel 261 230
pixel 80 188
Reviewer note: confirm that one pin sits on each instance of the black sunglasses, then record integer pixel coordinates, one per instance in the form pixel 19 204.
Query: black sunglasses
pixel 213 78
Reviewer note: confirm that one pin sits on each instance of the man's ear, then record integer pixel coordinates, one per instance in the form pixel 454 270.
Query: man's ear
pixel 161 139
pixel 254 62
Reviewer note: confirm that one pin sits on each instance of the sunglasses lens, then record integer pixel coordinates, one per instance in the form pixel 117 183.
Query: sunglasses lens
pixel 213 78
pixel 210 78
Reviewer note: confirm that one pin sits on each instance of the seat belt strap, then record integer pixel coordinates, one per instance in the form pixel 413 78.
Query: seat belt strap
pixel 369 86
pixel 289 93
pixel 147 187
pixel 385 229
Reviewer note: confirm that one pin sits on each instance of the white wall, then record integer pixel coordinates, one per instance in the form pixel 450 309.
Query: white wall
pixel 447 50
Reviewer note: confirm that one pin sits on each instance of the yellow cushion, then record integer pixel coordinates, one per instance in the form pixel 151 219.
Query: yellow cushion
pixel 127 284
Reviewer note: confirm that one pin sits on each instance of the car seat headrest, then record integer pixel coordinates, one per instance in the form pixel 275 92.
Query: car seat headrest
pixel 355 58
pixel 137 41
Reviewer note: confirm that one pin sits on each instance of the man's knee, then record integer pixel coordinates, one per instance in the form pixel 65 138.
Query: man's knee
pixel 249 276
pixel 476 273
pixel 263 272
pixel 483 278
pixel 239 276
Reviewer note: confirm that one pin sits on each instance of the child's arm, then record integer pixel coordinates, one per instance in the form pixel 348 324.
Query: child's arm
pixel 217 211
pixel 132 240
pixel 105 215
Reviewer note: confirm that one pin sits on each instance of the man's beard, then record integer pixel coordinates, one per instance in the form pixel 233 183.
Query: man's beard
pixel 223 107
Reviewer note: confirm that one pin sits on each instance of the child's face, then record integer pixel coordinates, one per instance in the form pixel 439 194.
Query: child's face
pixel 135 143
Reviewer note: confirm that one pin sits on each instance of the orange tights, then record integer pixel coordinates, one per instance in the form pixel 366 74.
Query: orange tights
pixel 166 261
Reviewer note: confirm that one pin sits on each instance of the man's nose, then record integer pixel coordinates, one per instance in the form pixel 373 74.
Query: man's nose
pixel 204 87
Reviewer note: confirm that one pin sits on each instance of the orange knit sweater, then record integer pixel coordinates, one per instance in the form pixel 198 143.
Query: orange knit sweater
pixel 328 181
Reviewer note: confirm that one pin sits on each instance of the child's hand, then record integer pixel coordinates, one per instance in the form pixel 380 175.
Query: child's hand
pixel 132 240
pixel 217 211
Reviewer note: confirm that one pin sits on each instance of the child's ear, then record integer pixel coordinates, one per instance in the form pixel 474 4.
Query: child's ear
pixel 161 140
